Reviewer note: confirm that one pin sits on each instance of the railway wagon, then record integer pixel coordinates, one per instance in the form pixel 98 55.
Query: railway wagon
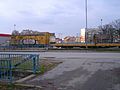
pixel 84 45
pixel 43 39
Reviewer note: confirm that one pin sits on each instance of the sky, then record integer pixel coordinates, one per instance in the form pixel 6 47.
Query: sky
pixel 55 16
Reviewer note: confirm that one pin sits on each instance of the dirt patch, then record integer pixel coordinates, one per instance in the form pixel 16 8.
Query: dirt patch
pixel 48 64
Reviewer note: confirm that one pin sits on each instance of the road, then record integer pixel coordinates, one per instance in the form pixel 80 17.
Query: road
pixel 81 71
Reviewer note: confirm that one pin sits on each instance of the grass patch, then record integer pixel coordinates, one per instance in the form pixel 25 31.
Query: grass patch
pixel 42 69
pixel 46 65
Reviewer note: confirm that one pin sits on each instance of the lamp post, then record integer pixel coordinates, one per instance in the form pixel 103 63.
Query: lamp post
pixel 101 29
pixel 86 13
pixel 86 23
pixel 101 23
pixel 14 26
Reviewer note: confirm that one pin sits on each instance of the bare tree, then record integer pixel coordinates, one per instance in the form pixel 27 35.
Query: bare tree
pixel 116 25
pixel 15 32
pixel 107 33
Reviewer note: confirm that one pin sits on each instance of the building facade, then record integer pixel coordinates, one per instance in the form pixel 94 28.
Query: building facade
pixel 89 35
pixel 4 39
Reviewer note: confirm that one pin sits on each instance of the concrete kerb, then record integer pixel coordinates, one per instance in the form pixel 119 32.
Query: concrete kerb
pixel 29 86
pixel 20 81
pixel 26 78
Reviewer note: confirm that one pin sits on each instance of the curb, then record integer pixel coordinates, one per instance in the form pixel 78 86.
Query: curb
pixel 30 86
pixel 26 78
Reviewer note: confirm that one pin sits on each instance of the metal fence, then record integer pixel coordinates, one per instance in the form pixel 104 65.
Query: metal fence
pixel 12 65
pixel 24 47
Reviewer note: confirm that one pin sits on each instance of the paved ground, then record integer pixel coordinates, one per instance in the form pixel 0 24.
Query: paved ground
pixel 81 71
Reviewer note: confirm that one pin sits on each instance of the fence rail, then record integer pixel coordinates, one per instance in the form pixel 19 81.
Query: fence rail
pixel 24 47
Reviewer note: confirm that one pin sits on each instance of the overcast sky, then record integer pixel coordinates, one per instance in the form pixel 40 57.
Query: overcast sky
pixel 59 16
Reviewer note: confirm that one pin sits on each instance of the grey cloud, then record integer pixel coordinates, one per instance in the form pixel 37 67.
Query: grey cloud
pixel 58 15
pixel 26 13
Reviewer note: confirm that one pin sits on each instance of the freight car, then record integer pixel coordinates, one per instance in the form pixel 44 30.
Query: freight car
pixel 41 39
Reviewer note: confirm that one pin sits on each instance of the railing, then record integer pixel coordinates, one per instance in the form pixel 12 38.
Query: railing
pixel 23 47
pixel 12 65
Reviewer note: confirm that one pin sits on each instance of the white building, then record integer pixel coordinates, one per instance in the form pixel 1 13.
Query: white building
pixel 82 35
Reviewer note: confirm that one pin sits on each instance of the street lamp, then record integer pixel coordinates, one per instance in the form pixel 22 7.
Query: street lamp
pixel 86 22
pixel 101 23
pixel 101 29
pixel 14 26
pixel 86 13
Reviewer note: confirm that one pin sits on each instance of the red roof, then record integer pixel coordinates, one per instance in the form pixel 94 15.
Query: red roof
pixel 5 35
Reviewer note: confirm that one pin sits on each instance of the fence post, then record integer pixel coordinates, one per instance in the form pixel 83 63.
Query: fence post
pixel 0 69
pixel 37 62
pixel 10 70
pixel 34 64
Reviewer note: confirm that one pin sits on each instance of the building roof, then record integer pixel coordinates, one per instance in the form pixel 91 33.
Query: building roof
pixel 5 35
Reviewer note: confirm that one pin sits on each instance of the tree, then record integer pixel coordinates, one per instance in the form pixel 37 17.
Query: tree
pixel 107 32
pixel 15 32
pixel 116 25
